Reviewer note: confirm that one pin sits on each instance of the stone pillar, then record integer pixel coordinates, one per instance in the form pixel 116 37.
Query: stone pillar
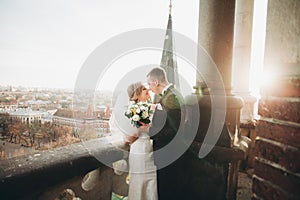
pixel 216 25
pixel 216 33
pixel 242 56
pixel 277 147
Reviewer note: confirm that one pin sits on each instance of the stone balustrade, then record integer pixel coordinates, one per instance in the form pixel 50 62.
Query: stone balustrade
pixel 46 174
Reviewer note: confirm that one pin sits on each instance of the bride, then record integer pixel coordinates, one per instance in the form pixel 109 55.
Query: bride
pixel 142 171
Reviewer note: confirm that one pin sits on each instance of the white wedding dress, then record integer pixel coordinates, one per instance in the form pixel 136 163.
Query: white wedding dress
pixel 142 171
pixel 142 181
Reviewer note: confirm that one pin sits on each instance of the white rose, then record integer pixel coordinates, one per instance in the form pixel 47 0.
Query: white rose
pixel 136 118
pixel 138 110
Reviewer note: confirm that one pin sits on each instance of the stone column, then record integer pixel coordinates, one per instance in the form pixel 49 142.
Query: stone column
pixel 242 56
pixel 277 147
pixel 216 26
pixel 216 34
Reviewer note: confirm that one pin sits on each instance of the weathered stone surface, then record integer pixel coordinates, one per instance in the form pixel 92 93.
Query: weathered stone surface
pixel 266 190
pixel 102 189
pixel 287 109
pixel 280 117
pixel 282 34
pixel 284 87
pixel 279 177
pixel 285 134
pixel 33 174
pixel 285 156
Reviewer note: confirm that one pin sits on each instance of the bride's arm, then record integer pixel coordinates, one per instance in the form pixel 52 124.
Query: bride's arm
pixel 128 139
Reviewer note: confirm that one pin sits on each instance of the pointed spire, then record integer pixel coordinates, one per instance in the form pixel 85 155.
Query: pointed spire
pixel 170 7
pixel 168 59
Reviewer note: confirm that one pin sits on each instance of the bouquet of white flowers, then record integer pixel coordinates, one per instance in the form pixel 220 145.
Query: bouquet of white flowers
pixel 139 114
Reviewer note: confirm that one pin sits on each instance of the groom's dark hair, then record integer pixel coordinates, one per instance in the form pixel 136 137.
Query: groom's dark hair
pixel 158 73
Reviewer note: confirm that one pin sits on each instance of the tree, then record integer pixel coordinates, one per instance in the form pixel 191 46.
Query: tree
pixel 16 130
pixel 4 122
pixel 64 136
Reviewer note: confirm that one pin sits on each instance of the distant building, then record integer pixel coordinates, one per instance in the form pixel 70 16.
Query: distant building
pixel 107 114
pixel 9 105
pixel 47 117
pixel 38 104
pixel 94 120
pixel 26 115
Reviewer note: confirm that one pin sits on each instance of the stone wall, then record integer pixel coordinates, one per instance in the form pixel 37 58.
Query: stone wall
pixel 277 147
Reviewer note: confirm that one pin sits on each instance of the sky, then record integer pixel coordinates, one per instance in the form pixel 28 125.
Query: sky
pixel 44 43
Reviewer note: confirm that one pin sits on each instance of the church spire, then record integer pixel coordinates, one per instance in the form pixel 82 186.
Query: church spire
pixel 168 59
pixel 170 7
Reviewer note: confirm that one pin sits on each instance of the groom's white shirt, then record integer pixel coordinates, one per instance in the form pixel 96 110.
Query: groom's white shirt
pixel 165 88
pixel 159 107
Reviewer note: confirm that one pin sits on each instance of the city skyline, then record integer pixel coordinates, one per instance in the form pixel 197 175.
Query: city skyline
pixel 44 44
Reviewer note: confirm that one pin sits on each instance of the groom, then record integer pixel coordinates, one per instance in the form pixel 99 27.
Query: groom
pixel 165 125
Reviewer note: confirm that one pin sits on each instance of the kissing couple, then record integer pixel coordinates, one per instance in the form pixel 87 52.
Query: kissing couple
pixel 153 126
